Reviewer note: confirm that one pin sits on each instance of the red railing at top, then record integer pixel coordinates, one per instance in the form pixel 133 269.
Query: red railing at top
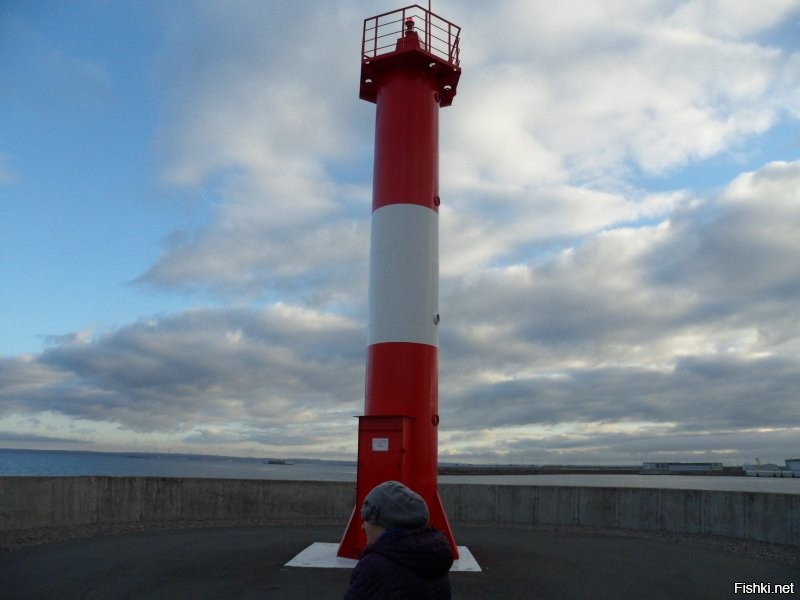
pixel 438 36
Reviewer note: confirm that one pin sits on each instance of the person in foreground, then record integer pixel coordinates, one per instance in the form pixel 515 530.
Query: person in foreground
pixel 404 558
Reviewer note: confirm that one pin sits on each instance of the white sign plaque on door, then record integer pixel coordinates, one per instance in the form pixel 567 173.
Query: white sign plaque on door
pixel 380 444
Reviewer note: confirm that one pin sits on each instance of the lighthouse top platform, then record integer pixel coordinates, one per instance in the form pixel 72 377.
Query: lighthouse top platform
pixel 411 36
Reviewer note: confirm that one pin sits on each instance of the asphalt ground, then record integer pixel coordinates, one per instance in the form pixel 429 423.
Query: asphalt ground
pixel 249 562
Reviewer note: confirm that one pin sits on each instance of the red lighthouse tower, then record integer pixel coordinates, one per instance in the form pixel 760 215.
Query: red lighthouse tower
pixel 409 68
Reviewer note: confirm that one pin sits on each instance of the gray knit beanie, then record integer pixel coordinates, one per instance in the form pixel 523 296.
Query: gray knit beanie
pixel 392 505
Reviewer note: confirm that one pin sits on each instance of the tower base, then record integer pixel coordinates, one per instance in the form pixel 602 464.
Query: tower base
pixel 322 555
pixel 382 457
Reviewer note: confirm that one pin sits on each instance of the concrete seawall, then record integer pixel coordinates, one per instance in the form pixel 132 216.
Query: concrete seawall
pixel 35 502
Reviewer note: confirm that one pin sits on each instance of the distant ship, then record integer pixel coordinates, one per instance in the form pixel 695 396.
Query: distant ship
pixel 278 461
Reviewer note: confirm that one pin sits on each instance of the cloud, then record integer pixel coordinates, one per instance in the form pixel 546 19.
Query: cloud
pixel 699 395
pixel 539 145
pixel 279 365
pixel 15 438
pixel 580 92
pixel 627 327
pixel 251 254
pixel 586 316
pixel 280 436
pixel 738 19
pixel 598 443
pixel 688 321
pixel 266 120
pixel 739 246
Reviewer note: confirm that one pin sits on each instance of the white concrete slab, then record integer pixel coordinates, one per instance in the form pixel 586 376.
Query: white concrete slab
pixel 465 561
pixel 322 555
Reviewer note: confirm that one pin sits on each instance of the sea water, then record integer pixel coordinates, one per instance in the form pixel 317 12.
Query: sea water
pixel 41 463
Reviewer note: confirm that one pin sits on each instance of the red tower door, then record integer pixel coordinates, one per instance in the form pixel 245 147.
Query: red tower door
pixel 381 448
pixel 382 444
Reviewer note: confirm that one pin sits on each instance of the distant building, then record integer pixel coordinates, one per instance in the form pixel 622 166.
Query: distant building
pixel 792 469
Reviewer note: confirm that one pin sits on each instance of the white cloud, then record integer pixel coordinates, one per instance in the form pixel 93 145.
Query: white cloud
pixel 687 322
pixel 732 18
pixel 591 88
pixel 264 117
pixel 629 326
pixel 585 317
pixel 210 376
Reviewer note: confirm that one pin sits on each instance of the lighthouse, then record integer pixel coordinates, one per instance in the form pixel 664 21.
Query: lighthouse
pixel 409 69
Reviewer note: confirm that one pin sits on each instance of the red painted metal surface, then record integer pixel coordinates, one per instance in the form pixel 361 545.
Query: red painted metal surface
pixel 407 140
pixel 410 68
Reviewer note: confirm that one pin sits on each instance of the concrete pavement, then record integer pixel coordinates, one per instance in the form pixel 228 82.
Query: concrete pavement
pixel 249 562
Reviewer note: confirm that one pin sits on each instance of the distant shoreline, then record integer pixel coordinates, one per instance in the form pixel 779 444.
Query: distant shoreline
pixel 445 468
pixel 575 470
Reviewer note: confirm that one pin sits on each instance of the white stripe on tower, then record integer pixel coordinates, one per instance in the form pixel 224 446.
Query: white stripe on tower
pixel 404 275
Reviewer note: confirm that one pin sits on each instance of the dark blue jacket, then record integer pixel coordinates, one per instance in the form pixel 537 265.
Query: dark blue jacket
pixel 403 564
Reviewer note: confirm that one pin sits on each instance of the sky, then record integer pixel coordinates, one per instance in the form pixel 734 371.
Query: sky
pixel 185 198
